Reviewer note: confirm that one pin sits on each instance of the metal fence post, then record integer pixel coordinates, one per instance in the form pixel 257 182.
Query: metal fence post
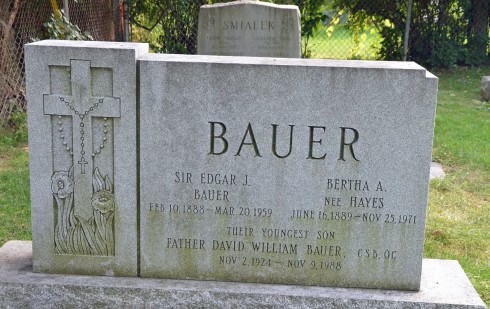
pixel 126 21
pixel 407 30
pixel 66 9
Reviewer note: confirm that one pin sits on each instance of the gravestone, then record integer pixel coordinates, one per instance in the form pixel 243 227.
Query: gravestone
pixel 249 28
pixel 485 88
pixel 284 171
pixel 82 142
pixel 229 169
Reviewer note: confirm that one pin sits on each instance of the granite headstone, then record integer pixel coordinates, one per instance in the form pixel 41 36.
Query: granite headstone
pixel 284 171
pixel 249 28
pixel 82 147
pixel 248 169
pixel 485 88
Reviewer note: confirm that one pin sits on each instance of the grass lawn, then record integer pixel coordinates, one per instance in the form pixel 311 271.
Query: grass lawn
pixel 458 225
pixel 15 211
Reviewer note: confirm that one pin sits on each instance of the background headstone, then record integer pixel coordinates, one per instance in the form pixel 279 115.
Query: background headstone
pixel 285 170
pixel 485 88
pixel 82 147
pixel 249 28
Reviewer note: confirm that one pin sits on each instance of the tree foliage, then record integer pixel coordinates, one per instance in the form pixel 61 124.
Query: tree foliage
pixel 312 16
pixel 60 28
pixel 443 32
pixel 175 20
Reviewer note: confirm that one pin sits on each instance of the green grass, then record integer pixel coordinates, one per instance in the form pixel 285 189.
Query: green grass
pixel 15 211
pixel 462 135
pixel 458 224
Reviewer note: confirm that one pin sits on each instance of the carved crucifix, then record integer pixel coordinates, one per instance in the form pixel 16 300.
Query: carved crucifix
pixel 82 106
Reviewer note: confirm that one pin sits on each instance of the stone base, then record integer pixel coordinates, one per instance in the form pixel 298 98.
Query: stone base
pixel 444 285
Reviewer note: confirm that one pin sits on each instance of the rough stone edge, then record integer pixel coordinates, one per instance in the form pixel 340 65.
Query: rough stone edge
pixel 251 2
pixel 444 285
pixel 333 63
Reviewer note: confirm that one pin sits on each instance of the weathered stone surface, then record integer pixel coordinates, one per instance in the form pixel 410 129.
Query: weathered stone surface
pixel 249 28
pixel 444 285
pixel 284 170
pixel 82 145
pixel 485 88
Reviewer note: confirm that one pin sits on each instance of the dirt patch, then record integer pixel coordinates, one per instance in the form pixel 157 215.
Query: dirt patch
pixel 4 162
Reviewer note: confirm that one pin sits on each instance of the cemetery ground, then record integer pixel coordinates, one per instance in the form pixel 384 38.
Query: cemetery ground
pixel 459 205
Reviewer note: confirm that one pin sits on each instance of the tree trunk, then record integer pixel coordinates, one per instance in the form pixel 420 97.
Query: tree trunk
pixel 6 31
pixel 9 58
pixel 479 24
pixel 478 41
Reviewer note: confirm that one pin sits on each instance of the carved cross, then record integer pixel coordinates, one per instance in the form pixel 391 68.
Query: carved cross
pixel 82 163
pixel 82 106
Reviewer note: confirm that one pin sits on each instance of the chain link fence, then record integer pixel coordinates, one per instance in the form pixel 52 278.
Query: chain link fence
pixel 443 33
pixel 171 27
pixel 22 21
